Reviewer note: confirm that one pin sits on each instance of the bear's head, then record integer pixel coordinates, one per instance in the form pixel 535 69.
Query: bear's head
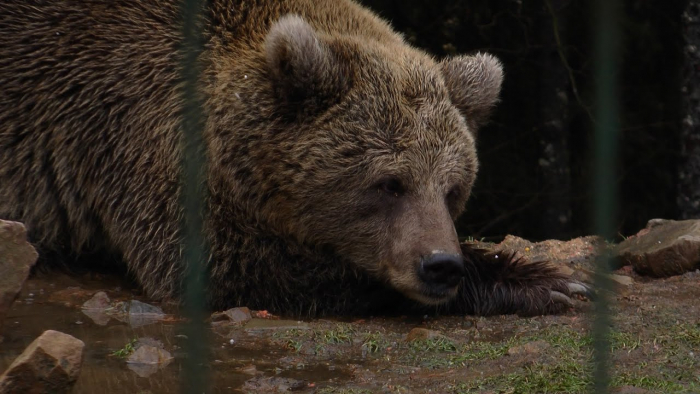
pixel 374 151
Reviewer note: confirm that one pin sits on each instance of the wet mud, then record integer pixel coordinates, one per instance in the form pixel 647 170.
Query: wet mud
pixel 655 345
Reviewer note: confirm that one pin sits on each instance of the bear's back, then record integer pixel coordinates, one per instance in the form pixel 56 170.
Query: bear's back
pixel 88 113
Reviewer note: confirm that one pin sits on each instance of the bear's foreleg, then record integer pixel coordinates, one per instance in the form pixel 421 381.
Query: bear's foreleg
pixel 502 283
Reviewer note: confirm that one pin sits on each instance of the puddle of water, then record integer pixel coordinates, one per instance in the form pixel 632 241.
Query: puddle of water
pixel 39 308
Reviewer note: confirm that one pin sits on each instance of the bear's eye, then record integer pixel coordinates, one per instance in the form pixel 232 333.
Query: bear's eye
pixel 391 186
pixel 452 200
pixel 453 194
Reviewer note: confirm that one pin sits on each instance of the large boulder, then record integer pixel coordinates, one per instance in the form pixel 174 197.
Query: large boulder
pixel 664 248
pixel 50 364
pixel 17 257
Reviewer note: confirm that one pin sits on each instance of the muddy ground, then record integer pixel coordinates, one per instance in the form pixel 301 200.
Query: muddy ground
pixel 655 346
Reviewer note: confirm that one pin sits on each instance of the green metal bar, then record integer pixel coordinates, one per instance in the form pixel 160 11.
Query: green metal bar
pixel 605 189
pixel 194 378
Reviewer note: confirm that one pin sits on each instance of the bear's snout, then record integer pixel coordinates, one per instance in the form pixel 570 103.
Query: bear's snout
pixel 441 271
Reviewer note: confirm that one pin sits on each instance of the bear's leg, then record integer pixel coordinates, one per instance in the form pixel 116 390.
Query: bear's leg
pixel 506 284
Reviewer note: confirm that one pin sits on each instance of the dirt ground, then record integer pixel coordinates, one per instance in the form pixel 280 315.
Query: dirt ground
pixel 655 346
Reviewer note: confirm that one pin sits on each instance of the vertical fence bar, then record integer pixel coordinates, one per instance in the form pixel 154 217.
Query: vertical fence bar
pixel 194 378
pixel 605 170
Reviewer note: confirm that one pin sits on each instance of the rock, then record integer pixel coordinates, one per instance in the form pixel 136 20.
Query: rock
pixel 147 354
pixel 99 301
pixel 664 248
pixel 97 316
pixel 141 314
pixel 530 348
pixel 234 315
pixel 566 255
pixel 141 308
pixel 50 364
pixel 418 334
pixel 96 308
pixel 148 359
pixel 239 315
pixel 17 257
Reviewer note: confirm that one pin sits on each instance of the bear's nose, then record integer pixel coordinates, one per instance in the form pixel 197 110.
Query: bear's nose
pixel 442 270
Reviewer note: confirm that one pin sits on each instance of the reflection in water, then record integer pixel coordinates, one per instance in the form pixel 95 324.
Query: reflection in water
pixel 115 320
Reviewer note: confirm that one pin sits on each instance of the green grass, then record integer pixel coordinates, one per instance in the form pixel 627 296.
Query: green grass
pixel 341 333
pixel 126 350
pixel 374 342
pixel 664 384
pixel 569 377
pixel 292 339
pixel 439 344
pixel 624 341
pixel 688 333
pixel 571 372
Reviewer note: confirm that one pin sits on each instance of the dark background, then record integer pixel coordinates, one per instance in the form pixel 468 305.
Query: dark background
pixel 536 154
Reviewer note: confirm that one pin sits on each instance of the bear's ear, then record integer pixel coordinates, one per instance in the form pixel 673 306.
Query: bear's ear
pixel 474 83
pixel 307 75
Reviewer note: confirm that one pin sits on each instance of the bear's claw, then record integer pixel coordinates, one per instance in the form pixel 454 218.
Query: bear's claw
pixel 572 289
pixel 561 298
pixel 580 289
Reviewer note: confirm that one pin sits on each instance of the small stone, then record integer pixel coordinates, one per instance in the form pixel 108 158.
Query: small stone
pixel 50 364
pixel 141 308
pixel 99 301
pixel 141 314
pixel 147 354
pixel 147 360
pixel 418 334
pixel 238 315
pixel 234 315
pixel 96 307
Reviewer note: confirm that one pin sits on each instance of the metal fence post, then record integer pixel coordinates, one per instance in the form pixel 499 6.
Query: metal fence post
pixel 194 378
pixel 604 177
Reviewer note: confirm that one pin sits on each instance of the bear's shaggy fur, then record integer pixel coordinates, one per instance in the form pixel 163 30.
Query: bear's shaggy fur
pixel 338 155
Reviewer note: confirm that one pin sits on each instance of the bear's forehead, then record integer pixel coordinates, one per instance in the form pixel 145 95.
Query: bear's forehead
pixel 404 119
pixel 411 74
pixel 401 110
pixel 417 142
pixel 408 93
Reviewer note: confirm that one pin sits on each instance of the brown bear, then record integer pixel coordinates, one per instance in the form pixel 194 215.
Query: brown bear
pixel 338 156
